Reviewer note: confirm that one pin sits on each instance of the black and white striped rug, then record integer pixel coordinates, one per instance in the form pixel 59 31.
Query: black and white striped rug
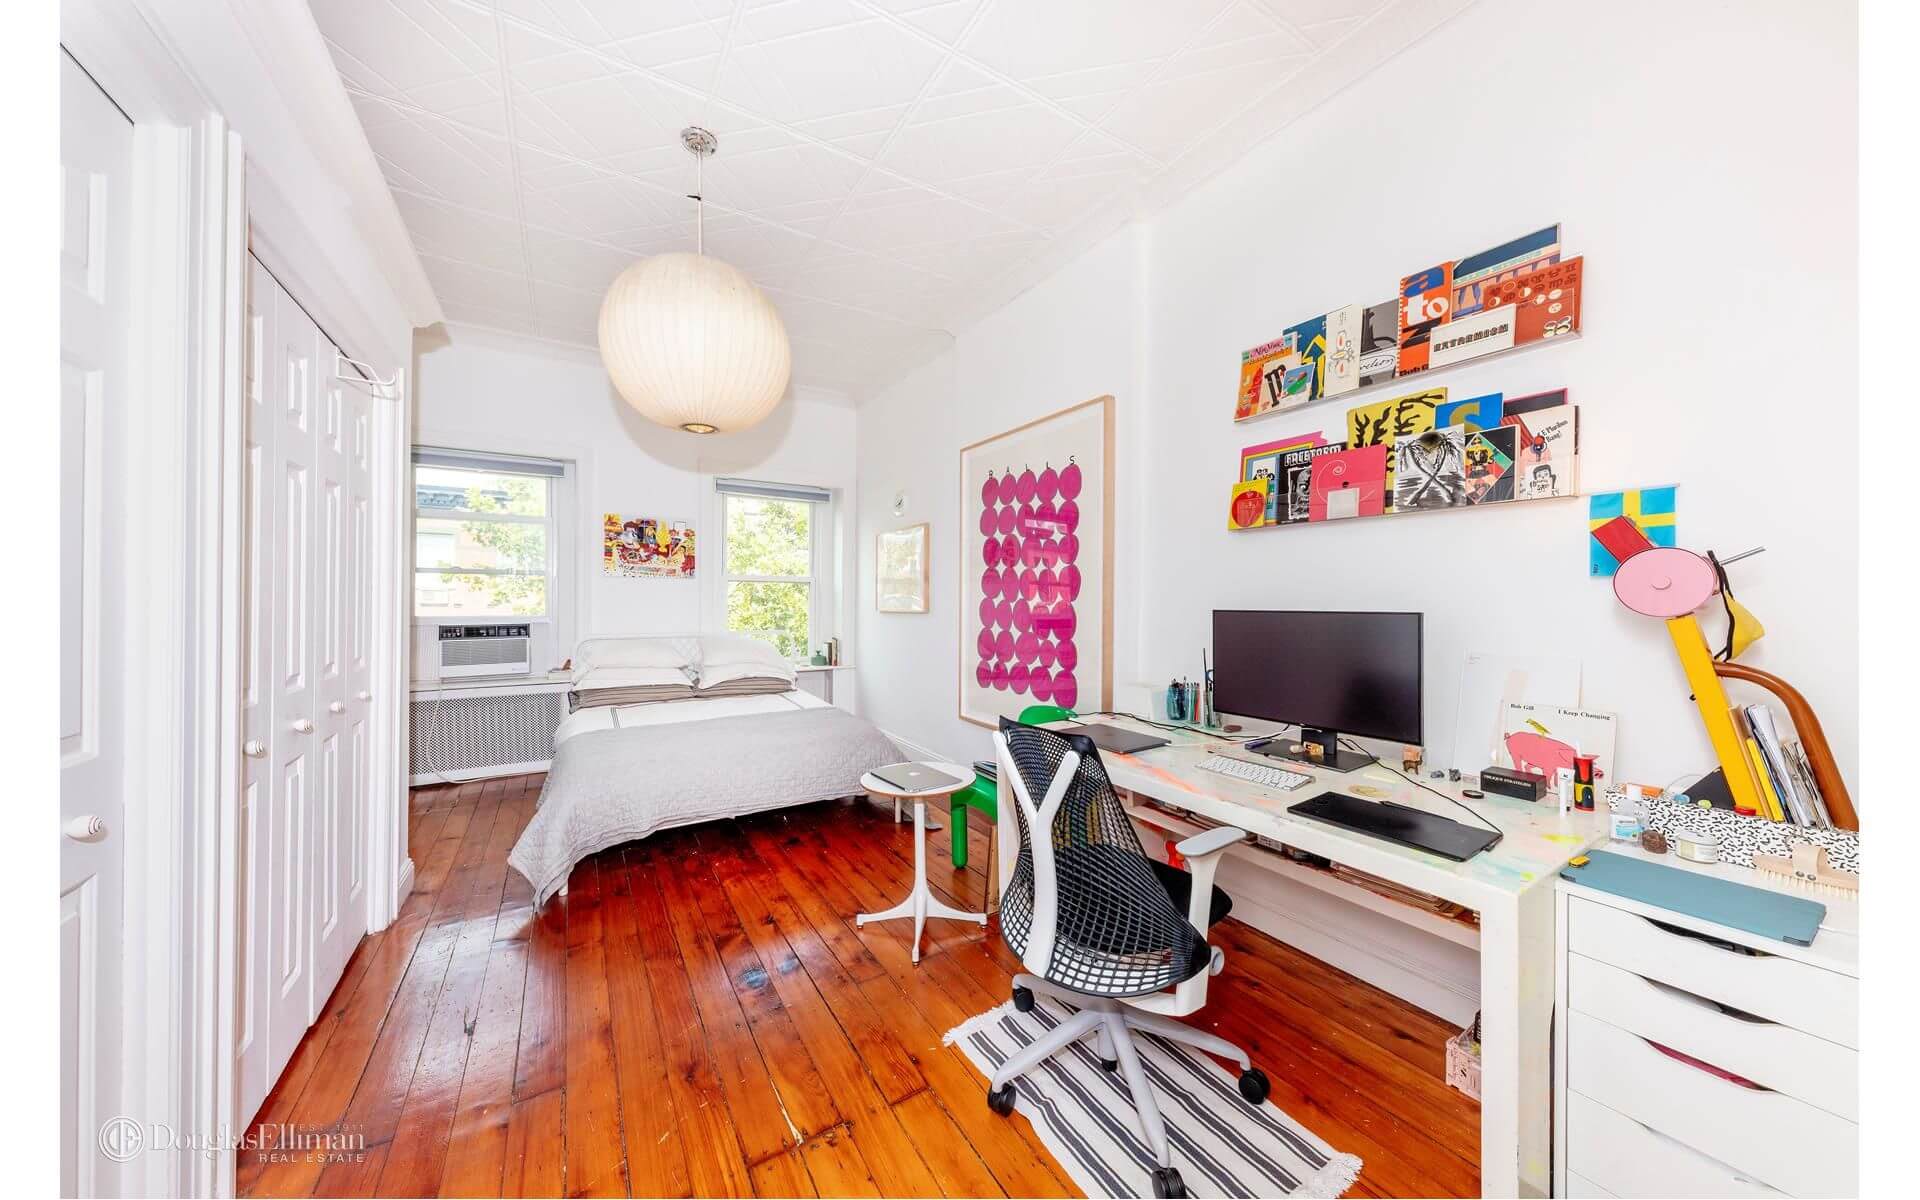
pixel 1222 1145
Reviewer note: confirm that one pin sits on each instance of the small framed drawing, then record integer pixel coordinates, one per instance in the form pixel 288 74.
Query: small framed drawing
pixel 900 582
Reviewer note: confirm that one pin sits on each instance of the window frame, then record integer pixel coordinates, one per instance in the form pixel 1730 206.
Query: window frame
pixel 818 580
pixel 558 486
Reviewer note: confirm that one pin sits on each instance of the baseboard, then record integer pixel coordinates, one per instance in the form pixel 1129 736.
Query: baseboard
pixel 405 886
pixel 914 751
pixel 470 774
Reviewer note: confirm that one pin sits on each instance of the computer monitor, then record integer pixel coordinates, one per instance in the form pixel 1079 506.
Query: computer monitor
pixel 1327 672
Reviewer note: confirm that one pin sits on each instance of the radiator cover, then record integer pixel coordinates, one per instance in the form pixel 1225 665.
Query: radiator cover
pixel 474 734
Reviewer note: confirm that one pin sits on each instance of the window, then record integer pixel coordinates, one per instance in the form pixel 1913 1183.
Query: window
pixel 770 550
pixel 483 535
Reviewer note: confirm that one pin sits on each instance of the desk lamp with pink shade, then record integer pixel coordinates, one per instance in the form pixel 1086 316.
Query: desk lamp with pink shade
pixel 1671 583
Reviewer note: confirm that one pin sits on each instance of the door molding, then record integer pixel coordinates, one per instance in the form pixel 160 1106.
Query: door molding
pixel 178 970
pixel 173 66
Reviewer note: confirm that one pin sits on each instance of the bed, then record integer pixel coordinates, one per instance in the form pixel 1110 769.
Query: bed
pixel 735 738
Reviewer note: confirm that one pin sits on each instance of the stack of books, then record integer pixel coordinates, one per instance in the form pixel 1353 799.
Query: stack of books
pixel 1786 781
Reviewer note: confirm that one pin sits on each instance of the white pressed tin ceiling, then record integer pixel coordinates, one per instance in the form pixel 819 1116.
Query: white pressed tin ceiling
pixel 888 169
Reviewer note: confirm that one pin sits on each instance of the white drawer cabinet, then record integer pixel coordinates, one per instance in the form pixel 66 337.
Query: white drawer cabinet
pixel 1696 1060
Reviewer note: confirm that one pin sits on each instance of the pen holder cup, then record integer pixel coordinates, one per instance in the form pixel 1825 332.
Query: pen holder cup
pixel 1176 704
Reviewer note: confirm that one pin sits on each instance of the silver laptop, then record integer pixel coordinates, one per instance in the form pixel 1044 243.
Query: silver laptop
pixel 916 777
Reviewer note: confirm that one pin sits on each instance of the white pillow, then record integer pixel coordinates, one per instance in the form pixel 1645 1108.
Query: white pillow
pixel 628 677
pixel 732 649
pixel 636 652
pixel 712 675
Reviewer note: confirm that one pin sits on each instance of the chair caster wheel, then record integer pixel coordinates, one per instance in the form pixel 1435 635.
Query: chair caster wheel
pixel 1000 1099
pixel 1254 1085
pixel 1023 999
pixel 1109 1065
pixel 1167 1185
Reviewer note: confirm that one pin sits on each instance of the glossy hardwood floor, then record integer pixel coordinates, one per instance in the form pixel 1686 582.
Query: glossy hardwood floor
pixel 700 1017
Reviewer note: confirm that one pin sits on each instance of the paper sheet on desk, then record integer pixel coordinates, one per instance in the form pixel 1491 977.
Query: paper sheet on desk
pixel 1488 682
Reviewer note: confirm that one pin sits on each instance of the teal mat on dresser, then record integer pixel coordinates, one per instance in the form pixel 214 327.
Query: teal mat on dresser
pixel 1708 897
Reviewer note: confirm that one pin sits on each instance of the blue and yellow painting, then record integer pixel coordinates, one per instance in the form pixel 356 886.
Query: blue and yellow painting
pixel 1650 509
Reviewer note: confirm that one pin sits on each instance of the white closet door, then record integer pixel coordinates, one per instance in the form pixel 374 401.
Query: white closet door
pixel 361 547
pixel 288 865
pixel 96 159
pixel 336 929
pixel 266 386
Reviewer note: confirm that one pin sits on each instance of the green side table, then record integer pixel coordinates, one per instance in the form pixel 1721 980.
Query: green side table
pixel 983 793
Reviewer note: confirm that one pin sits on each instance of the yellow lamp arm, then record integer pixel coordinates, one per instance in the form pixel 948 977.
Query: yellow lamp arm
pixel 1697 661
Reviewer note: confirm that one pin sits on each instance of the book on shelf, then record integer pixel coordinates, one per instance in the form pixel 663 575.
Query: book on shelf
pixel 1803 779
pixel 1795 798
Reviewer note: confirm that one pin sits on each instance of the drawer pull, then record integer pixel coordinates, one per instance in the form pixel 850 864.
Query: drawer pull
pixel 1702 1065
pixel 1686 997
pixel 1707 938
pixel 1670 1140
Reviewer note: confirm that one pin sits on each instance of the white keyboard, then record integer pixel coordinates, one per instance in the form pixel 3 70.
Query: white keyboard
pixel 1278 778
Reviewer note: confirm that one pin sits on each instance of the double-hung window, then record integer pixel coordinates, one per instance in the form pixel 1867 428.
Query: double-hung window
pixel 773 538
pixel 484 534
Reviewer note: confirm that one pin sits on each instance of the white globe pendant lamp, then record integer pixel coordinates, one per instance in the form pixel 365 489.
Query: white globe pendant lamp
pixel 689 341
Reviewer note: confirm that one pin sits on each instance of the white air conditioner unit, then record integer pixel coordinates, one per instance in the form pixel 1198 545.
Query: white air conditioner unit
pixel 485 650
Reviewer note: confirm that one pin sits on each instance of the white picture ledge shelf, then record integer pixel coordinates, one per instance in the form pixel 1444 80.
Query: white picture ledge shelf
pixel 1414 382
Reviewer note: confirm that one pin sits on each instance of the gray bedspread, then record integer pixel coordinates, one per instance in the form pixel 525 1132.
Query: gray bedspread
pixel 615 785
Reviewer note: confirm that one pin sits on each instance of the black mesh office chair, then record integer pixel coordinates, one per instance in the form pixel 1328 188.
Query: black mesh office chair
pixel 1104 927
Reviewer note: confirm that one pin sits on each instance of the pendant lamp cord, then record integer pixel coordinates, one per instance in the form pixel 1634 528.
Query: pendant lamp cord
pixel 700 203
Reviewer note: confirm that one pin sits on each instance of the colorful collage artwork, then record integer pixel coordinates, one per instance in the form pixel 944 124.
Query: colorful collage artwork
pixel 646 547
pixel 1651 510
pixel 1511 295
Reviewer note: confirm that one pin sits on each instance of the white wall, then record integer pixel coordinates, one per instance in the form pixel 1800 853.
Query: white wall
pixel 1071 339
pixel 490 392
pixel 1717 212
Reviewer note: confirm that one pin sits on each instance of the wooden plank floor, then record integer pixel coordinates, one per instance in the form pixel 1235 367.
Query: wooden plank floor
pixel 701 1017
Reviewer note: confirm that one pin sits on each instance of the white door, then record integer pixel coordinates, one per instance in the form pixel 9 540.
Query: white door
pixel 96 149
pixel 265 386
pixel 337 928
pixel 294 749
pixel 361 547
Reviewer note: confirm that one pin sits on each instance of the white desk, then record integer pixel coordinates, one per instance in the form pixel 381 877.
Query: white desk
pixel 1510 886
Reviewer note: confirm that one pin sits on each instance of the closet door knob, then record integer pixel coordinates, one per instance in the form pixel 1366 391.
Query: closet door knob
pixel 363 697
pixel 303 725
pixel 85 829
pixel 336 706
pixel 254 748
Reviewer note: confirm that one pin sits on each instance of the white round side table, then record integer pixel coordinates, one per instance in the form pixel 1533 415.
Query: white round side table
pixel 920 902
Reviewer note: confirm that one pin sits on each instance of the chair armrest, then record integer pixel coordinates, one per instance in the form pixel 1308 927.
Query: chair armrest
pixel 1209 841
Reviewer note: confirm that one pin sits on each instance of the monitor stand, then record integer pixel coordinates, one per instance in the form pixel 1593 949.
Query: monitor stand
pixel 1332 756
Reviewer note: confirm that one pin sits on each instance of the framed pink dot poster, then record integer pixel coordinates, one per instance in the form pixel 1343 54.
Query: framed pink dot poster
pixel 1036 566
